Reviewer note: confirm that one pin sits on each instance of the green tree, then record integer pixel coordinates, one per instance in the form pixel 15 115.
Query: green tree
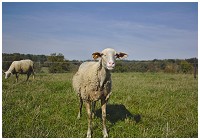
pixel 57 63
pixel 185 66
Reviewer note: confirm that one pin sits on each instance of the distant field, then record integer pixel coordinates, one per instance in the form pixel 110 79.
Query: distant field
pixel 142 105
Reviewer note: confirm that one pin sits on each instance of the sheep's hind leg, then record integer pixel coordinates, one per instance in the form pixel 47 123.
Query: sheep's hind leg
pixel 103 107
pixel 33 75
pixel 80 109
pixel 88 108
pixel 28 74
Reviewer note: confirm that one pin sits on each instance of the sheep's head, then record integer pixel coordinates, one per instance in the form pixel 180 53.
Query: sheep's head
pixel 108 57
pixel 7 74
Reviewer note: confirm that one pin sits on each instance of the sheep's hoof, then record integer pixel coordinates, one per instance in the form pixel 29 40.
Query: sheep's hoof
pixel 78 117
pixel 105 134
pixel 89 135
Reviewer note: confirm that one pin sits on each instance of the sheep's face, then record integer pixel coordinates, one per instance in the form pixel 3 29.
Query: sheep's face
pixel 7 74
pixel 108 57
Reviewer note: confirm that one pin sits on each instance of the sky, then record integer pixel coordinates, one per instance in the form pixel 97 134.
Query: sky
pixel 145 31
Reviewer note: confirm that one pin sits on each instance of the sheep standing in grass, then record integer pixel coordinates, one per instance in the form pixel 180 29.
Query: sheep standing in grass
pixel 20 67
pixel 93 82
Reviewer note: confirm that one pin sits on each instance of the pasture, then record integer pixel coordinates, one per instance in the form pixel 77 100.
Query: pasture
pixel 142 105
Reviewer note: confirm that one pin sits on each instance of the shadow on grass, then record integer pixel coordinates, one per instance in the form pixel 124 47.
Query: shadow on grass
pixel 118 112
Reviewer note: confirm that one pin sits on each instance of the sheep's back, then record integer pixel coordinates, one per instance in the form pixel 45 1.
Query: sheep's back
pixel 22 66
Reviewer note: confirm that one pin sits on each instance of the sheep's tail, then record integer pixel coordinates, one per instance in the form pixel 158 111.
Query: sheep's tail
pixel 33 69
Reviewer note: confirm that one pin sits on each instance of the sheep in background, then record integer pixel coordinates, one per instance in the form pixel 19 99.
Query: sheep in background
pixel 93 82
pixel 20 67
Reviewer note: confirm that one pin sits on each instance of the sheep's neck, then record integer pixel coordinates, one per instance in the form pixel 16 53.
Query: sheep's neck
pixel 11 69
pixel 104 75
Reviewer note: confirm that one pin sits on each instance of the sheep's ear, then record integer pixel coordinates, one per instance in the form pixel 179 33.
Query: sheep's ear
pixel 121 55
pixel 96 55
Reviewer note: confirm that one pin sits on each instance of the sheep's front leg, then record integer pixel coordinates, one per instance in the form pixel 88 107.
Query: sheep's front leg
pixel 93 109
pixel 88 108
pixel 80 108
pixel 17 76
pixel 103 107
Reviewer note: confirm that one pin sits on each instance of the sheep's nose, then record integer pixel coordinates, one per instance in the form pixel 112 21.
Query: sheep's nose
pixel 111 64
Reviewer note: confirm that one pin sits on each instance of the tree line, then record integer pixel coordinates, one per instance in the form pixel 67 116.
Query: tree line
pixel 56 63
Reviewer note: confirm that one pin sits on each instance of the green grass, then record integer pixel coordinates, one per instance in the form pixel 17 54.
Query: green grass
pixel 141 105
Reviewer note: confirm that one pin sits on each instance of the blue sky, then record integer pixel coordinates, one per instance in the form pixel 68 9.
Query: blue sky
pixel 145 31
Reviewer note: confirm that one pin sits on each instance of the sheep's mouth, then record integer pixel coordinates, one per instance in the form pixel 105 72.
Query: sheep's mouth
pixel 110 68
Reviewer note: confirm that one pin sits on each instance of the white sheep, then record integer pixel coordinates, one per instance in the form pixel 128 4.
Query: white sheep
pixel 93 82
pixel 20 67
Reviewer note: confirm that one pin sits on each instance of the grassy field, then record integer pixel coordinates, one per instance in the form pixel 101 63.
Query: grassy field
pixel 142 105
